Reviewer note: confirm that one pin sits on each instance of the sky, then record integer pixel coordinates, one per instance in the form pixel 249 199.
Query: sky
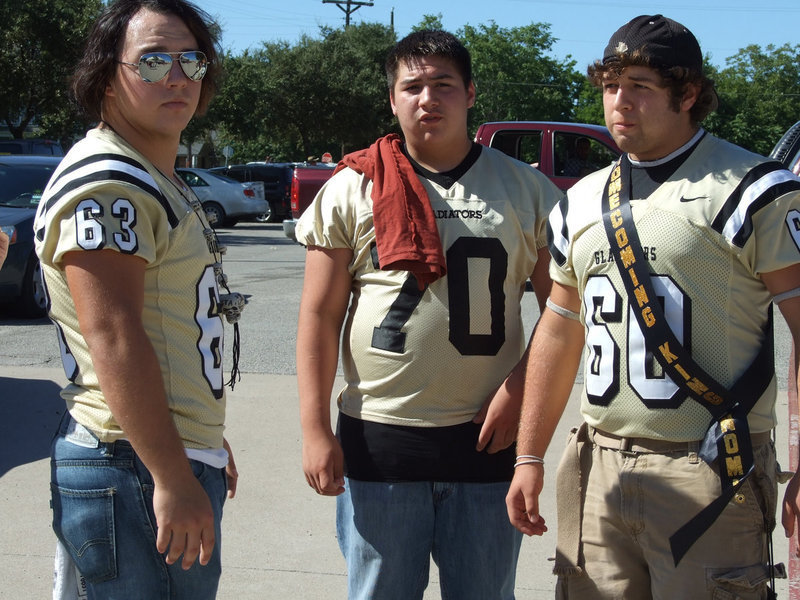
pixel 582 27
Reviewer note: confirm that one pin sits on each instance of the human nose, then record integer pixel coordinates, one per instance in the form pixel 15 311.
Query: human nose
pixel 622 98
pixel 428 97
pixel 176 76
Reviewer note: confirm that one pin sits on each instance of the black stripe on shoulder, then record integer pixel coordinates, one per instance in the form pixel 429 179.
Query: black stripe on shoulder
pixel 73 183
pixel 99 158
pixel 563 208
pixel 764 199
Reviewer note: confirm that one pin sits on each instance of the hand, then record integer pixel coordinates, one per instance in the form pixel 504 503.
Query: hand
pixel 791 507
pixel 500 417
pixel 185 521
pixel 323 463
pixel 522 500
pixel 230 470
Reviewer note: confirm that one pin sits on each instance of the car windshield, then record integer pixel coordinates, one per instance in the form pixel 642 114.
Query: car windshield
pixel 22 185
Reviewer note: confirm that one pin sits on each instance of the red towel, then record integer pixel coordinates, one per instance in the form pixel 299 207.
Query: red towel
pixel 405 227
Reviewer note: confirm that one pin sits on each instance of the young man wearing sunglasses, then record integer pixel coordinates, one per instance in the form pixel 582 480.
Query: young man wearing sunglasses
pixel 133 272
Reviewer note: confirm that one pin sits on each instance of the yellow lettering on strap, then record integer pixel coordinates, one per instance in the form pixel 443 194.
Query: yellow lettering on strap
pixel 734 465
pixel 626 254
pixel 697 386
pixel 731 443
pixel 622 235
pixel 641 296
pixel 667 353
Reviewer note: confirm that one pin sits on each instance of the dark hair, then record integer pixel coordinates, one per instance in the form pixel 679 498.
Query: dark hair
pixel 429 42
pixel 98 65
pixel 674 78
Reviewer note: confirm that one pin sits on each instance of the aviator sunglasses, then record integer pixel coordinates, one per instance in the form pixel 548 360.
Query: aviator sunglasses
pixel 154 66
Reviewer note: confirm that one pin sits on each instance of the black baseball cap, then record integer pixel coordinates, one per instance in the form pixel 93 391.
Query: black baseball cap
pixel 666 43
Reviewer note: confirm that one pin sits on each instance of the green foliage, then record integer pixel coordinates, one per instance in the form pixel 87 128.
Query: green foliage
pixel 515 78
pixel 320 95
pixel 589 106
pixel 759 93
pixel 40 42
pixel 429 22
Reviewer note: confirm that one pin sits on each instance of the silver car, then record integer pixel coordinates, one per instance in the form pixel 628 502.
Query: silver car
pixel 225 200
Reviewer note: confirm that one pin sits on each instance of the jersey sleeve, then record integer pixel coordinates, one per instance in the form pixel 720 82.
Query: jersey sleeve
pixel 548 198
pixel 105 216
pixel 775 242
pixel 340 210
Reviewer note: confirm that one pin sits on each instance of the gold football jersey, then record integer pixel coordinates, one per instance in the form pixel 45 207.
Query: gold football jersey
pixel 722 218
pixel 431 358
pixel 105 195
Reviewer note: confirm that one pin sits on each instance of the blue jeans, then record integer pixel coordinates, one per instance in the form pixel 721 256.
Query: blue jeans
pixel 102 499
pixel 388 532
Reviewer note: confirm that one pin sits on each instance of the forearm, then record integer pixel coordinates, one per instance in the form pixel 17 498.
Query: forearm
pixel 317 361
pixel 323 305
pixel 133 388
pixel 550 375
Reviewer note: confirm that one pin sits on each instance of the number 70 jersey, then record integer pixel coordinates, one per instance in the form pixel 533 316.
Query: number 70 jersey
pixel 722 218
pixel 431 357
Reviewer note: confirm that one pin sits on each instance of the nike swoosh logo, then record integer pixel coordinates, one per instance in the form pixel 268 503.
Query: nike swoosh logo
pixel 685 199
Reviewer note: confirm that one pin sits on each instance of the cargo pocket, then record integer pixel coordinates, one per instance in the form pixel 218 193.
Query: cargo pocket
pixel 84 522
pixel 744 583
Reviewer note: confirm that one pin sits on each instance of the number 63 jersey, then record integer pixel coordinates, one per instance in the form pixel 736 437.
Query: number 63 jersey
pixel 430 358
pixel 723 217
pixel 106 196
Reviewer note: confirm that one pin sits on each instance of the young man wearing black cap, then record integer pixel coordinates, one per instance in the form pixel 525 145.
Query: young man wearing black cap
pixel 664 268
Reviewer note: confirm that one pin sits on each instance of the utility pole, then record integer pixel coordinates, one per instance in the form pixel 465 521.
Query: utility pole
pixel 348 7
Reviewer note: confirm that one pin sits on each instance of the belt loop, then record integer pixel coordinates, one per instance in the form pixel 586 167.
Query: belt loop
pixel 692 452
pixel 625 444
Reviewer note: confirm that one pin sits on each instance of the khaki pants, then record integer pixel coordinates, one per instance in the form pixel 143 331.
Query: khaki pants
pixel 634 500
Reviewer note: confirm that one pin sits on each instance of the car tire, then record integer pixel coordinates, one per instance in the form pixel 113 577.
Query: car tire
pixel 788 146
pixel 33 299
pixel 215 214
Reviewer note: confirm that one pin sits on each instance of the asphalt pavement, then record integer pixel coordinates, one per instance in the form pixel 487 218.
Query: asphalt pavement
pixel 279 538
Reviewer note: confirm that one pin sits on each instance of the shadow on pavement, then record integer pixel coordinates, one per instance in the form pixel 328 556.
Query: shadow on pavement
pixel 30 411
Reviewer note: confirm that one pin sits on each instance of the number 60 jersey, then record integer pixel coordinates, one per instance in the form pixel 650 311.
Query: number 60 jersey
pixel 106 196
pixel 720 219
pixel 429 358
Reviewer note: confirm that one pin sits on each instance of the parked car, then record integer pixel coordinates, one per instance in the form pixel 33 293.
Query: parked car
pixel 31 146
pixel 22 181
pixel 552 147
pixel 307 179
pixel 277 179
pixel 787 150
pixel 225 200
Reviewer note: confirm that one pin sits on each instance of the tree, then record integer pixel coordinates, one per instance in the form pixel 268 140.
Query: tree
pixel 429 22
pixel 319 95
pixel 759 93
pixel 515 79
pixel 40 44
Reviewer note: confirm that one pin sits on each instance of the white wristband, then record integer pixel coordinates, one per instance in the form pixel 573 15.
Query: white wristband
pixel 560 310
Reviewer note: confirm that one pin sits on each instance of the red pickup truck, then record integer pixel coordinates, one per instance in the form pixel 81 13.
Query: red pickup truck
pixel 564 152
